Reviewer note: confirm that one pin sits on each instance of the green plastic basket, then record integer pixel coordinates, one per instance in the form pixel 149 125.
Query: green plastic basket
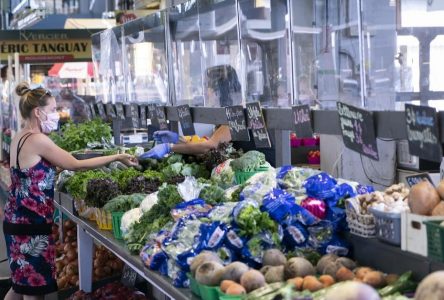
pixel 242 177
pixel 435 240
pixel 194 286
pixel 223 296
pixel 208 292
pixel 117 219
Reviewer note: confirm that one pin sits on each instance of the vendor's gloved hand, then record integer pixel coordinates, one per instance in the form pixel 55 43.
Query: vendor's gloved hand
pixel 157 152
pixel 166 136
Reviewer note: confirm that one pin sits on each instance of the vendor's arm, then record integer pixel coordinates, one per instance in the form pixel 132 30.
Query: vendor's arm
pixel 64 160
pixel 221 135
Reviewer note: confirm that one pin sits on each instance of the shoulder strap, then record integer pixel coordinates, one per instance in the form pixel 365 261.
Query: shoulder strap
pixel 20 146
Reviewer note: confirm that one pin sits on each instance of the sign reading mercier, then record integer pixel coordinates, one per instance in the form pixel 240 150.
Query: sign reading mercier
pixel 39 46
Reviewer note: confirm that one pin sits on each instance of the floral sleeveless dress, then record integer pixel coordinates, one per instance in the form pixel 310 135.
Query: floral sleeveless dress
pixel 27 228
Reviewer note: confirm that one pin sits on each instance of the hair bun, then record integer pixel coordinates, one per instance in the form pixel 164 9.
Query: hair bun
pixel 22 88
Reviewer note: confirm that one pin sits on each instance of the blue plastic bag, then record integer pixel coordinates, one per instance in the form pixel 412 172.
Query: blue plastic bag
pixel 280 205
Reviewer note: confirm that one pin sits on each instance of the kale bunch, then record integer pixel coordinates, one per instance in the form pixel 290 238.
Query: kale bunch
pixel 141 184
pixel 100 191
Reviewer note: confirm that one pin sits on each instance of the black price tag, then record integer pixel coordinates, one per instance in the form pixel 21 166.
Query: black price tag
pixel 257 124
pixel 417 178
pixel 143 116
pixel 101 110
pixel 129 276
pixel 185 119
pixel 358 130
pixel 422 132
pixel 236 121
pixel 134 112
pixel 110 110
pixel 119 111
pixel 161 117
pixel 302 121
pixel 92 110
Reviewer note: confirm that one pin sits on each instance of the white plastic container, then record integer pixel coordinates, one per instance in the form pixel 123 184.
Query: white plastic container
pixel 414 233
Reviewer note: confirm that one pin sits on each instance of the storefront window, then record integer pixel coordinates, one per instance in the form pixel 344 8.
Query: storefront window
pixel 265 52
pixel 146 60
pixel 407 64
pixel 186 54
pixel 437 63
pixel 221 62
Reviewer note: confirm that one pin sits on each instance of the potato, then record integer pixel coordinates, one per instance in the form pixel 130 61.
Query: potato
pixel 275 274
pixel 361 272
pixel 252 280
pixel 274 257
pixel 225 284
pixel 327 280
pixel 298 267
pixel 234 271
pixel 209 273
pixel 431 287
pixel 236 289
pixel 374 279
pixel 312 284
pixel 344 274
pixel 203 257
pixel 297 282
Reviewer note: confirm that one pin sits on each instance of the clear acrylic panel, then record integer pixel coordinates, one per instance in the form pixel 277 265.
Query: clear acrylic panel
pixel 326 52
pixel 265 52
pixel 407 64
pixel 221 66
pixel 146 60
pixel 437 63
pixel 186 54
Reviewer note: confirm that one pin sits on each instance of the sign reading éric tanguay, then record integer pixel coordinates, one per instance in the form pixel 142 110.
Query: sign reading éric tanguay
pixel 37 46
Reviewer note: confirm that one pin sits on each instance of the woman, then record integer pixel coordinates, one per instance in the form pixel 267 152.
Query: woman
pixel 29 210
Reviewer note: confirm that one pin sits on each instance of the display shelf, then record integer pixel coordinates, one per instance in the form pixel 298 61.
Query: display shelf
pixel 391 259
pixel 117 247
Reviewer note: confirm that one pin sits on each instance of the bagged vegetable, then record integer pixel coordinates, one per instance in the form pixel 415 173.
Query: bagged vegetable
pixel 189 189
pixel 153 257
pixel 258 186
pixel 233 240
pixel 223 175
pixel 123 203
pixel 222 213
pixel 295 235
pixel 149 202
pixel 62 179
pixel 196 207
pixel 249 162
pixel 280 205
pixel 129 218
pixel 321 186
pixel 212 236
pixel 292 178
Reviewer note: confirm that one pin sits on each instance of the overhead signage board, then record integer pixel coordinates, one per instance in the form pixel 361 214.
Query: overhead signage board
pixel 46 46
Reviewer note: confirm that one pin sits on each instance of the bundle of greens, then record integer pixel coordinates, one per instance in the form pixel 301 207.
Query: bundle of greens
pixel 251 221
pixel 124 177
pixel 151 174
pixel 154 219
pixel 76 185
pixel 77 136
pixel 141 184
pixel 249 162
pixel 217 156
pixel 123 203
pixel 213 194
pixel 100 191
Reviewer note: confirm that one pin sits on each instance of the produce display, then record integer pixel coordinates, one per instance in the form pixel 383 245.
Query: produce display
pixel 425 199
pixel 114 290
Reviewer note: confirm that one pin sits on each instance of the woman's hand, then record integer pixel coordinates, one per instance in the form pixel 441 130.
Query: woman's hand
pixel 128 160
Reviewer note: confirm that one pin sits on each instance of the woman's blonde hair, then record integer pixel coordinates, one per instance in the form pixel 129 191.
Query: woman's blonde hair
pixel 31 98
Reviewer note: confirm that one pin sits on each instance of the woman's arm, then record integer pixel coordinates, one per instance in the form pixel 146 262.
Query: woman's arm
pixel 64 160
pixel 221 135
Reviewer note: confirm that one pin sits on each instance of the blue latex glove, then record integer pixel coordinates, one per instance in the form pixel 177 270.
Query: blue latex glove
pixel 166 136
pixel 157 152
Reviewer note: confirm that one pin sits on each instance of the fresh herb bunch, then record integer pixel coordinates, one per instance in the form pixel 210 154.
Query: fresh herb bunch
pixel 217 156
pixel 100 191
pixel 123 177
pixel 76 185
pixel 250 161
pixel 77 136
pixel 123 203
pixel 213 194
pixel 141 184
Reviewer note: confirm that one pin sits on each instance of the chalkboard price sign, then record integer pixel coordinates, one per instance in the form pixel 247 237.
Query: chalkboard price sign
pixel 422 132
pixel 417 178
pixel 143 117
pixel 152 114
pixel 129 276
pixel 101 110
pixel 110 110
pixel 185 119
pixel 236 121
pixel 256 122
pixel 134 114
pixel 358 130
pixel 92 110
pixel 161 117
pixel 119 111
pixel 302 121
